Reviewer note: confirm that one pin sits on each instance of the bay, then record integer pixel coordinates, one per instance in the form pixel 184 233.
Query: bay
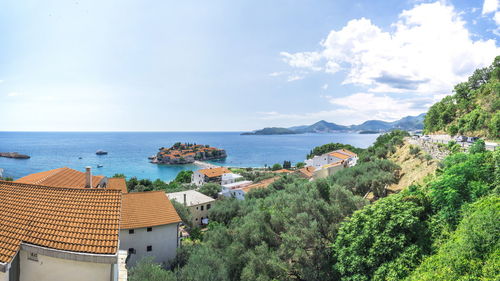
pixel 128 151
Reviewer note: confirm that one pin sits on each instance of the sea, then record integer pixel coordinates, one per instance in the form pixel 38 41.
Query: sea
pixel 128 151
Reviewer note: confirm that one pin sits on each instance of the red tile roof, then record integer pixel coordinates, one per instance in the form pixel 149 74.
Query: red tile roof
pixel 307 172
pixel 118 184
pixel 340 155
pixel 61 177
pixel 214 172
pixel 145 209
pixel 71 219
pixel 261 184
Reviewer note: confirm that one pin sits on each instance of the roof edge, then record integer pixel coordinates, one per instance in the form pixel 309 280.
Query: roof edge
pixel 68 255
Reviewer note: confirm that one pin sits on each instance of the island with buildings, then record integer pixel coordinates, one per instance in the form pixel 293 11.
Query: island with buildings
pixel 187 153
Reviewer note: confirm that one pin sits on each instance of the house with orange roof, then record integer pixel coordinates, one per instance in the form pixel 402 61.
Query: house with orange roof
pixel 329 163
pixel 203 176
pixel 50 233
pixel 240 192
pixel 149 227
pixel 65 177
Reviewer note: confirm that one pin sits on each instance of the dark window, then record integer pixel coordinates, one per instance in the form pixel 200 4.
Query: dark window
pixel 202 207
pixel 149 248
pixel 131 250
pixel 196 218
pixel 130 231
pixel 150 229
pixel 208 206
pixel 196 208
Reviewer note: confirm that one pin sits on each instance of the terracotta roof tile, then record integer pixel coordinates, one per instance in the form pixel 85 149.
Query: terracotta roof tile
pixel 118 184
pixel 339 155
pixel 214 172
pixel 261 184
pixel 61 177
pixel 307 172
pixel 71 219
pixel 145 209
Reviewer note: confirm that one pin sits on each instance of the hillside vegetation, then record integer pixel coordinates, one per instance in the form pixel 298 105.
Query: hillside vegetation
pixel 473 109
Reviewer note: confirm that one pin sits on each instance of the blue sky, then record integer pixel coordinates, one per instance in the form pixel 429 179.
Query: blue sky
pixel 233 65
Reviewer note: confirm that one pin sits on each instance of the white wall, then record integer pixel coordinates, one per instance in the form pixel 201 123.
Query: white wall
pixel 4 276
pixel 163 239
pixel 54 269
pixel 197 178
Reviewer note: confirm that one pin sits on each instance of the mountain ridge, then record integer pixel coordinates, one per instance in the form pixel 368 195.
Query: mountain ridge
pixel 377 126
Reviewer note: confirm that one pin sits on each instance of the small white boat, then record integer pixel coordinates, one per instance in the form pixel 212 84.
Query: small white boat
pixel 99 166
pixel 101 152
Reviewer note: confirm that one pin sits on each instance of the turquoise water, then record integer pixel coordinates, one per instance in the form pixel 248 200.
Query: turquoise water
pixel 128 151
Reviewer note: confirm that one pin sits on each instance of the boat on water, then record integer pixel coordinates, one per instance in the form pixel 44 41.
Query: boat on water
pixel 99 166
pixel 101 152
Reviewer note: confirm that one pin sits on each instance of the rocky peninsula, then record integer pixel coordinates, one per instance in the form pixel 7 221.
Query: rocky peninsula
pixel 14 155
pixel 187 153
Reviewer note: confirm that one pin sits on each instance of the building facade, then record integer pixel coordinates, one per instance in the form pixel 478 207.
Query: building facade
pixel 51 234
pixel 149 227
pixel 198 204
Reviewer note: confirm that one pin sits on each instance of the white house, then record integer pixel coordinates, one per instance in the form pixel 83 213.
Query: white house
pixel 234 189
pixel 214 175
pixel 340 155
pixel 240 192
pixel 53 233
pixel 229 178
pixel 149 227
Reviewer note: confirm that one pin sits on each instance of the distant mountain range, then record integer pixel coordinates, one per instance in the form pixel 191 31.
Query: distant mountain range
pixel 408 123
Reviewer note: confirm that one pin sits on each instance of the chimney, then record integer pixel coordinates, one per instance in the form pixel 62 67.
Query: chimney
pixel 185 200
pixel 88 177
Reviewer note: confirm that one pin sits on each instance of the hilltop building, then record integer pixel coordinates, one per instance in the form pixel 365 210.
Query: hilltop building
pixel 241 191
pixel 149 227
pixel 197 203
pixel 52 233
pixel 214 175
pixel 329 163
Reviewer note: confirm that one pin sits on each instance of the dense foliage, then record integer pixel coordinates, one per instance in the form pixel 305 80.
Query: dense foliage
pixel 473 109
pixel 388 239
pixel 319 150
pixel 447 229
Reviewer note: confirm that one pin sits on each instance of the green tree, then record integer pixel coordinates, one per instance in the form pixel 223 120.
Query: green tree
pixel 184 176
pixel 147 270
pixel 383 241
pixel 276 167
pixel 183 212
pixel 300 165
pixel 473 251
pixel 210 189
pixel 478 147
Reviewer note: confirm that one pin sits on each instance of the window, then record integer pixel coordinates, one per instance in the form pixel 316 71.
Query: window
pixel 202 207
pixel 150 229
pixel 149 248
pixel 196 208
pixel 130 231
pixel 131 250
pixel 208 206
pixel 196 219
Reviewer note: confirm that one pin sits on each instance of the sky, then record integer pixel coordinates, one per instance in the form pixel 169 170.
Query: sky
pixel 233 65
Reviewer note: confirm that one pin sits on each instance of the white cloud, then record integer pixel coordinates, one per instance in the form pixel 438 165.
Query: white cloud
pixel 295 77
pixel 325 87
pixel 428 51
pixel 13 94
pixel 357 108
pixel 489 6
pixel 303 59
pixel 496 17
pixel 275 74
